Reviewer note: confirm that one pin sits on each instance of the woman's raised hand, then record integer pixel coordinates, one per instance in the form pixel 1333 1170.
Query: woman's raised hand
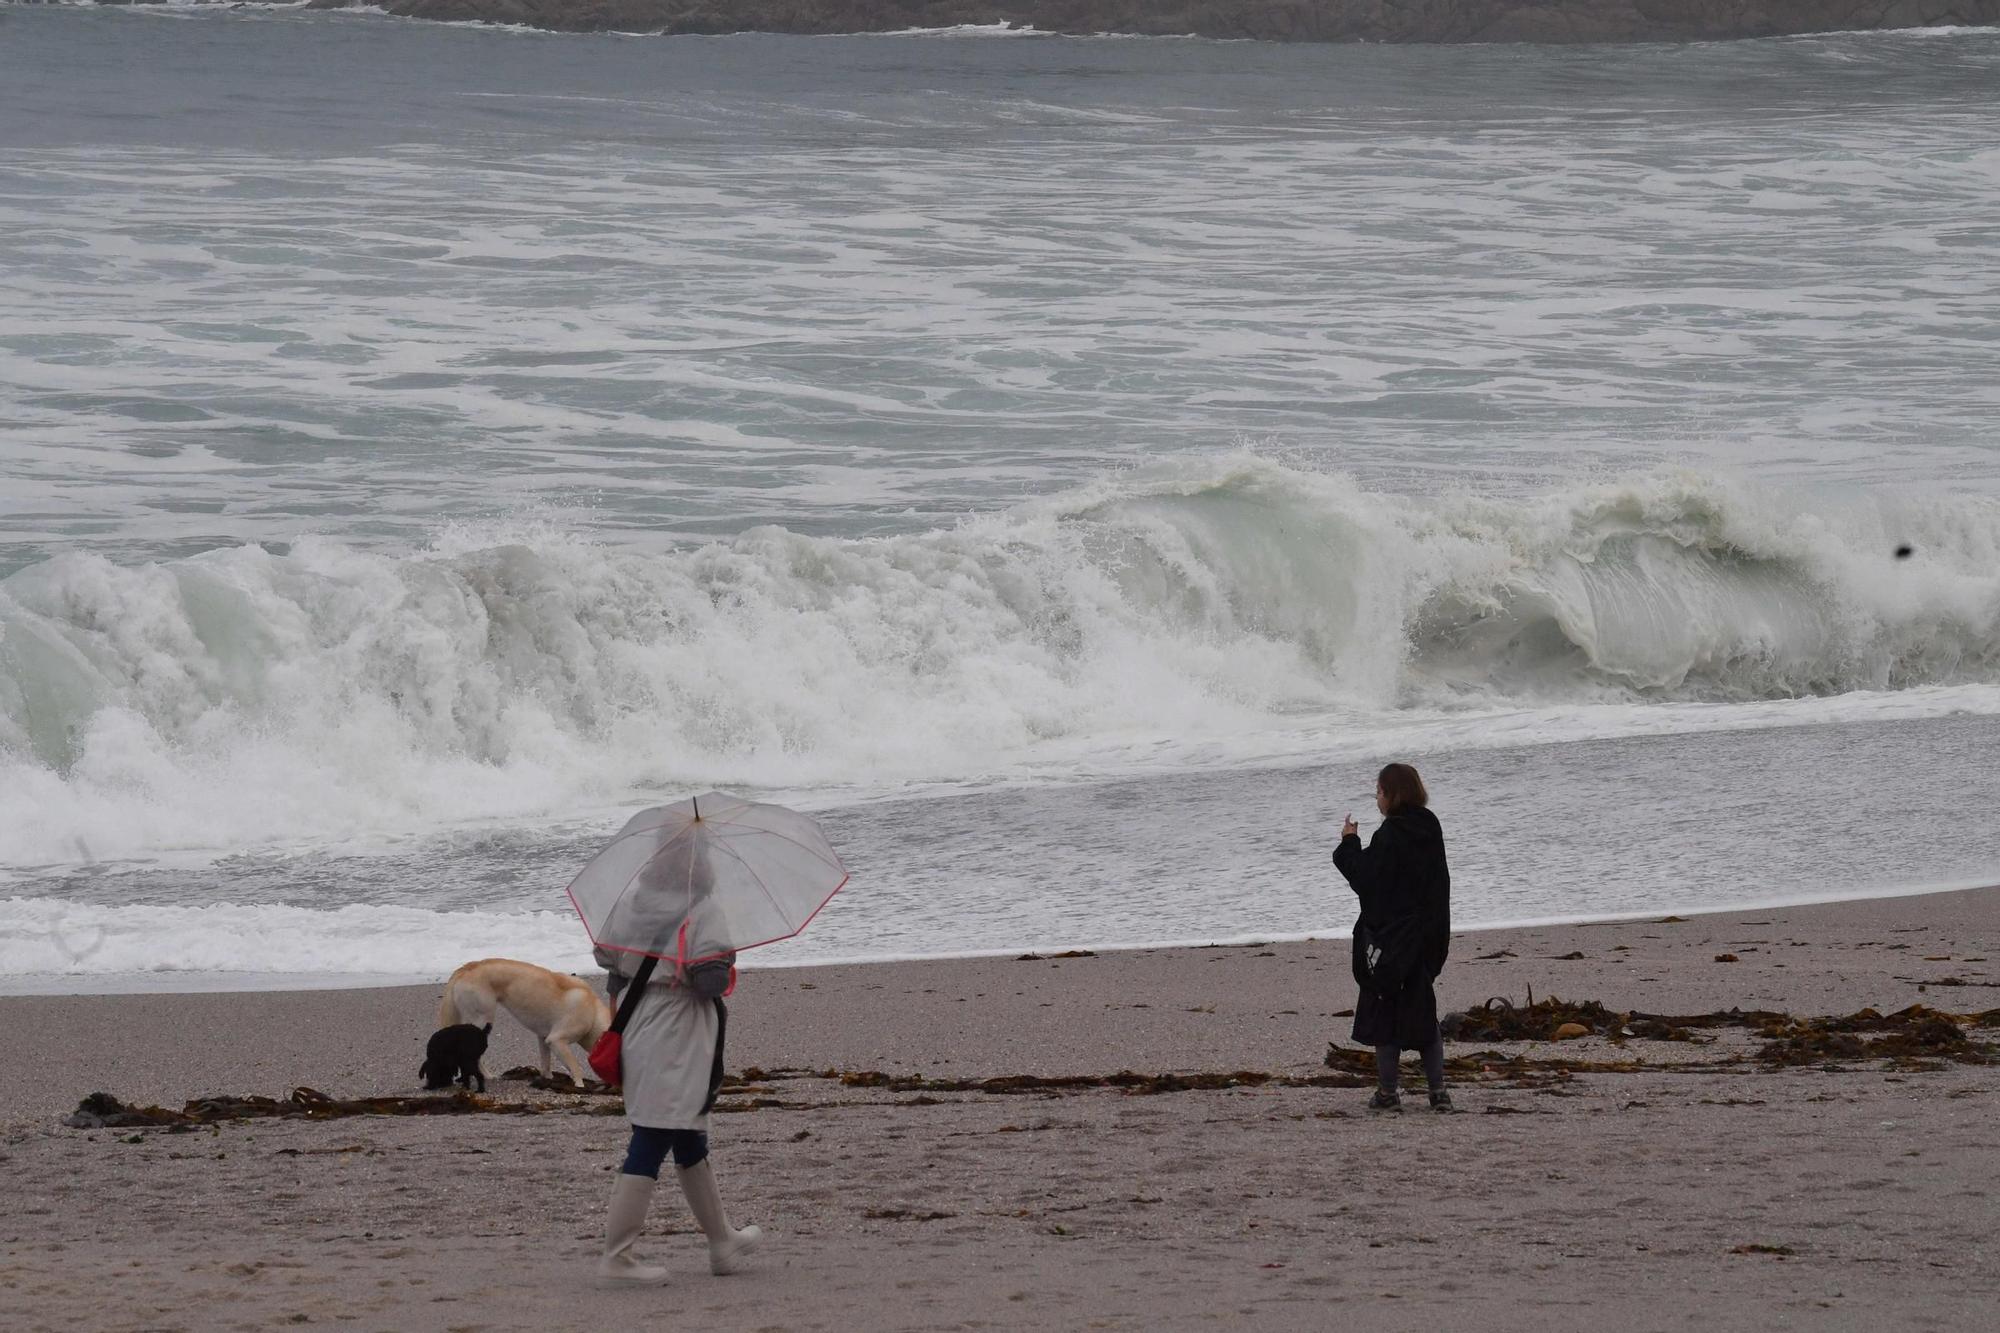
pixel 1350 829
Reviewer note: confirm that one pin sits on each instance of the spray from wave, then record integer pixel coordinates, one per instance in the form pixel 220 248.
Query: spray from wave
pixel 244 696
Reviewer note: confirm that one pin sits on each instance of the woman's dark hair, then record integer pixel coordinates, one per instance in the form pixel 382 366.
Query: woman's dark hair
pixel 1403 788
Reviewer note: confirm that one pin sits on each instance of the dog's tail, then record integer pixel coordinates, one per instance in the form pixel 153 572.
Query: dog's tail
pixel 448 1005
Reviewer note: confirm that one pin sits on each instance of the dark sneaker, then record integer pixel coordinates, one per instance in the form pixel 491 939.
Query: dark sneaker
pixel 1385 1100
pixel 1441 1102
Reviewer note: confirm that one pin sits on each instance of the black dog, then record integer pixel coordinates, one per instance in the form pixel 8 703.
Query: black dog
pixel 454 1053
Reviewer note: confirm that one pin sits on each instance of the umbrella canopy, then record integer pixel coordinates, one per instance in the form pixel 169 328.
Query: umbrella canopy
pixel 706 877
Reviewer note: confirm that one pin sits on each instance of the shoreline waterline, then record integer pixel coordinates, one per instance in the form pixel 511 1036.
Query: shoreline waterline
pixel 188 982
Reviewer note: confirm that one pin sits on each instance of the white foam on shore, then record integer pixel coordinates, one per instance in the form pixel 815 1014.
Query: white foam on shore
pixel 46 938
pixel 52 948
pixel 205 983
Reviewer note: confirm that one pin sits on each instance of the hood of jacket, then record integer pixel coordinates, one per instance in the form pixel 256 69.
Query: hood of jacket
pixel 1417 824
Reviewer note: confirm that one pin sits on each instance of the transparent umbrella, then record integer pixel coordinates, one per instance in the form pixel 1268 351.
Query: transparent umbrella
pixel 706 877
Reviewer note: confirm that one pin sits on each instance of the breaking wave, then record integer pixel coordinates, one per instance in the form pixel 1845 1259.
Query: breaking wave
pixel 246 695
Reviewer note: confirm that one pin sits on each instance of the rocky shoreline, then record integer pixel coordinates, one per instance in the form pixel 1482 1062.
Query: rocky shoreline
pixel 1440 21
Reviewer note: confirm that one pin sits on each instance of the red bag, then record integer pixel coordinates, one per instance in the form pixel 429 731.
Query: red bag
pixel 605 1058
pixel 607 1055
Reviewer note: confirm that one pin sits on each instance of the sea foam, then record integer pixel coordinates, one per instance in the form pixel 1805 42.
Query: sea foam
pixel 47 937
pixel 246 696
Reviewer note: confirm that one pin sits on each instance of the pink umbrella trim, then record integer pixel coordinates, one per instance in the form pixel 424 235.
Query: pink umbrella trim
pixel 684 962
pixel 681 943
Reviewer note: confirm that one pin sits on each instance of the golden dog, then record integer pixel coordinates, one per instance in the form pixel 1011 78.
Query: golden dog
pixel 561 1011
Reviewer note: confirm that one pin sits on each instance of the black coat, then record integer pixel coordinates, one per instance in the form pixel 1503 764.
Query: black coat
pixel 1404 931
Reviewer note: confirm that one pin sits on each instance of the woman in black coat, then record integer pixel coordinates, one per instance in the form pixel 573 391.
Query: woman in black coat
pixel 1404 932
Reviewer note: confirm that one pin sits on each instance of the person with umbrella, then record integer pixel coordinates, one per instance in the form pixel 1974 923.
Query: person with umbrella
pixel 1403 934
pixel 668 904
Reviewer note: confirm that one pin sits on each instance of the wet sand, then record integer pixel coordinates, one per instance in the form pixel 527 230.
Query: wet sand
pixel 1701 1188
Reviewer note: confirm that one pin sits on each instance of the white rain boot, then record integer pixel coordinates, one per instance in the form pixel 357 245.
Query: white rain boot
pixel 631 1196
pixel 727 1247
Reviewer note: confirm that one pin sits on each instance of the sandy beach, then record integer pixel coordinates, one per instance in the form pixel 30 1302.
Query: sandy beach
pixel 1654 1184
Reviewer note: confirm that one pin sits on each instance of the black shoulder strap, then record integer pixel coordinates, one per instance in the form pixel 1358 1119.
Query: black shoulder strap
pixel 715 1069
pixel 633 990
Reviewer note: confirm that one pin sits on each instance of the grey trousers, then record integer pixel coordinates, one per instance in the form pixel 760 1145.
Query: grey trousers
pixel 1386 1058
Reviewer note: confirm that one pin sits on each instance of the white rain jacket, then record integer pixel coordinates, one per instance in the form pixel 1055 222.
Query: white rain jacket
pixel 669 1048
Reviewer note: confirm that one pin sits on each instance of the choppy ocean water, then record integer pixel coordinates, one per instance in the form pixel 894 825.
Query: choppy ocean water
pixel 1069 465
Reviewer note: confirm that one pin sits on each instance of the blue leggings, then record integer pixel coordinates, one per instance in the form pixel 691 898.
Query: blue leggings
pixel 650 1147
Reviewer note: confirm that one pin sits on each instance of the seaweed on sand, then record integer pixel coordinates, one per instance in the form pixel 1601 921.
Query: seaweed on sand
pixel 1492 1066
pixel 1916 1034
pixel 1916 1037
pixel 100 1110
pixel 541 1082
pixel 1125 1081
pixel 1500 1019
